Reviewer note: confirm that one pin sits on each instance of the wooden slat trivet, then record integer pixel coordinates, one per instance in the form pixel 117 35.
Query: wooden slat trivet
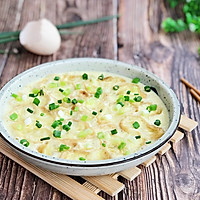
pixel 93 185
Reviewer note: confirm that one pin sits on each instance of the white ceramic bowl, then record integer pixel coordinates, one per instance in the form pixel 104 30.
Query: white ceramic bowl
pixel 90 168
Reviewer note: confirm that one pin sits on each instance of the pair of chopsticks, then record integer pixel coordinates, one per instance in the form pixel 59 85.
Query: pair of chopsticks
pixel 193 90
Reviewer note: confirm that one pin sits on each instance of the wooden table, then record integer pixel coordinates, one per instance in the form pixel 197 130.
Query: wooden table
pixel 136 38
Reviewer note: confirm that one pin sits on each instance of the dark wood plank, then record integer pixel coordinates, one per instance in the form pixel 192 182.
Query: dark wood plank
pixel 142 42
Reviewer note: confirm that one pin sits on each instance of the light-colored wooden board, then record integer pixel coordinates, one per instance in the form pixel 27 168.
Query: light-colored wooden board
pixel 106 183
pixel 187 124
pixel 177 136
pixel 63 183
pixel 131 173
pixel 165 148
pixel 149 162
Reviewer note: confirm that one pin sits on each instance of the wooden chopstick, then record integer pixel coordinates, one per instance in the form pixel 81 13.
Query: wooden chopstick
pixel 190 86
pixel 195 95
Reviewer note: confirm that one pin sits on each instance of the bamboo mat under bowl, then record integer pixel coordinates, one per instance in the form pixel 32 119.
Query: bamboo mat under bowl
pixel 108 183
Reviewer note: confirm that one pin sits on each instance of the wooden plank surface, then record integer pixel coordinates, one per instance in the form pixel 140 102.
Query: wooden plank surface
pixel 135 38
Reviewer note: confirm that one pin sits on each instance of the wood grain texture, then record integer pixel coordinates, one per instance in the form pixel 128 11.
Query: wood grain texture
pixel 135 38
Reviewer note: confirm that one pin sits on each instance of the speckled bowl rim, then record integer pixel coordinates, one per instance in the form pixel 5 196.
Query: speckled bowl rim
pixel 137 155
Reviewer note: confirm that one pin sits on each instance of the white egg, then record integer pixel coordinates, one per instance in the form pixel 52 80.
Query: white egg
pixel 40 37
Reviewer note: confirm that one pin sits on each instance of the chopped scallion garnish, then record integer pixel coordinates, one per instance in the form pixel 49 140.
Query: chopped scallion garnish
pixel 67 92
pixel 14 95
pixel 85 76
pixel 148 142
pixel 38 124
pixel 126 98
pixel 152 107
pixel 113 132
pixel 103 144
pixel 122 145
pixel 157 122
pixel 14 116
pixel 63 147
pixel 76 109
pixel 98 92
pixel 128 92
pixel 74 101
pixel 56 78
pixel 71 112
pixel 45 138
pixel 84 118
pixel 53 106
pixel 29 110
pixel 101 77
pixel 81 101
pixel 136 125
pixel 115 87
pixel 120 103
pixel 81 158
pixel 36 101
pixel 67 100
pixel 137 137
pixel 41 114
pixel 69 123
pixel 138 98
pixel 94 113
pixel 24 142
pixel 147 88
pixel 55 124
pixel 57 134
pixel 59 101
pixel 101 110
pixel 100 135
pixel 78 86
pixel 61 90
pixel 66 127
pixel 136 80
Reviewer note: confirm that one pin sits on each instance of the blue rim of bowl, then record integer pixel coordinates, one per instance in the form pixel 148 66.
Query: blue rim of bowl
pixel 98 163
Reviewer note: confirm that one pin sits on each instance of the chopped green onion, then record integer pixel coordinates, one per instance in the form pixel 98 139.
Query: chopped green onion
pixel 67 100
pixel 148 142
pixel 60 101
pixel 71 112
pixel 66 127
pixel 32 95
pixel 41 114
pixel 113 132
pixel 84 118
pixel 94 113
pixel 120 103
pixel 61 119
pixel 36 101
pixel 69 123
pixel 98 92
pixel 100 135
pixel 67 92
pixel 138 98
pixel 101 110
pixel 157 122
pixel 85 76
pixel 81 158
pixel 128 92
pixel 53 85
pixel 103 144
pixel 41 92
pixel 115 87
pixel 126 98
pixel 53 106
pixel 45 138
pixel 120 99
pixel 29 110
pixel 35 91
pixel 63 147
pixel 38 124
pixel 14 116
pixel 61 90
pixel 101 77
pixel 62 83
pixel 74 101
pixel 137 137
pixel 57 134
pixel 14 95
pixel 136 80
pixel 55 124
pixel 122 145
pixel 136 125
pixel 78 86
pixel 147 88
pixel 76 109
pixel 57 78
pixel 152 107
pixel 24 142
pixel 81 101
pixel 136 94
